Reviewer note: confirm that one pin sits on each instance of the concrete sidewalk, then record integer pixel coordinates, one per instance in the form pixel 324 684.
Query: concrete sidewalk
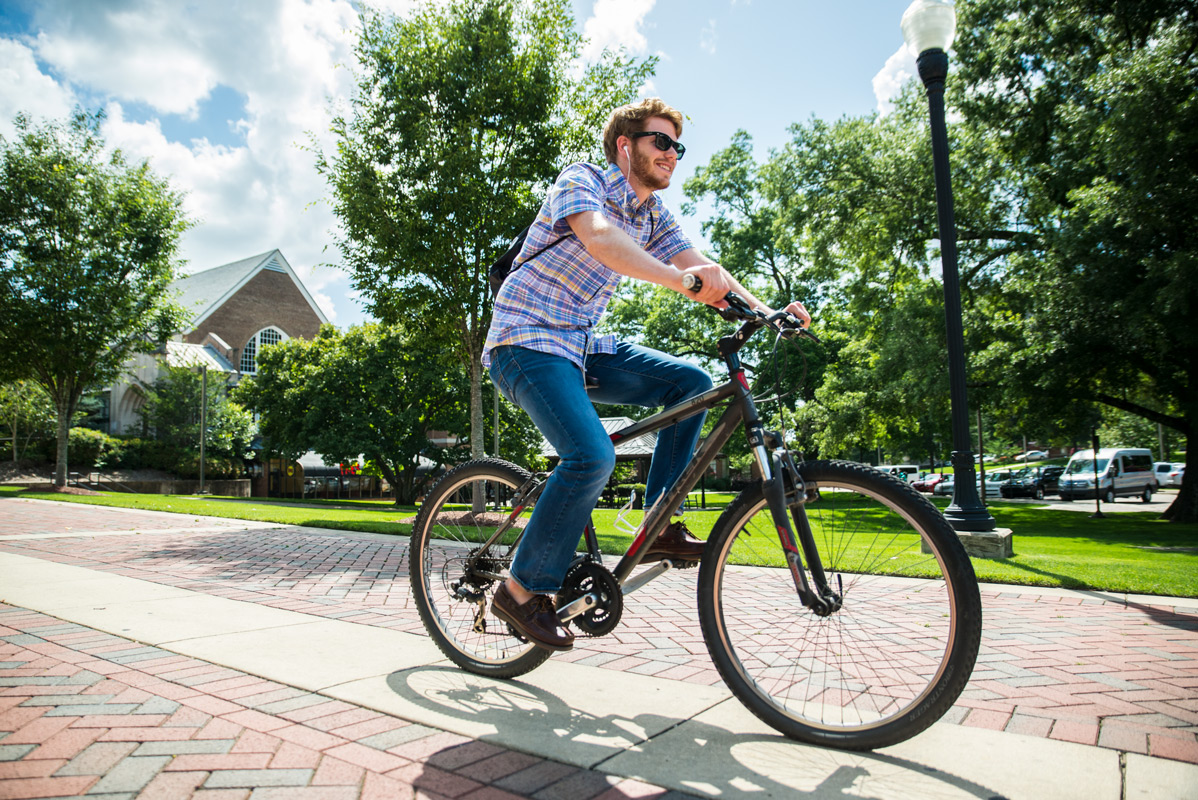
pixel 266 639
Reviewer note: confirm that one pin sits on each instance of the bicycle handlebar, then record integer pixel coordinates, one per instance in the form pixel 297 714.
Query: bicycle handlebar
pixel 739 311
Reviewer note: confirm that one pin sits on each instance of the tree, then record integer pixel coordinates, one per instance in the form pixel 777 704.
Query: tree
pixel 841 217
pixel 374 390
pixel 463 115
pixel 172 415
pixel 26 414
pixel 87 252
pixel 1093 107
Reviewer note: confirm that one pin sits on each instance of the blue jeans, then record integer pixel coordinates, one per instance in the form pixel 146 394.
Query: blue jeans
pixel 551 390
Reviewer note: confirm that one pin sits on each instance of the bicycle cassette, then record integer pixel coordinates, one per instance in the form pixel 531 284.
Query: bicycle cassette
pixel 583 579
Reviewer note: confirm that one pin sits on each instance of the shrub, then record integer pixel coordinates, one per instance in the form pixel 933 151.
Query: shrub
pixel 89 448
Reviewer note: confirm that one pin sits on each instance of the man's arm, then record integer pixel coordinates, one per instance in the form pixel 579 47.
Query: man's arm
pixel 616 250
pixel 690 258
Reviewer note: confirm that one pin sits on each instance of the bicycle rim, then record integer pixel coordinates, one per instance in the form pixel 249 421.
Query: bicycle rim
pixel 454 604
pixel 885 666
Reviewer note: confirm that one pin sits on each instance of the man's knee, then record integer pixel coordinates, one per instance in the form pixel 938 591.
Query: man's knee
pixel 595 465
pixel 693 381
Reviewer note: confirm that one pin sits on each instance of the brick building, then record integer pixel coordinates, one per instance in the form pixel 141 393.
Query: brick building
pixel 237 309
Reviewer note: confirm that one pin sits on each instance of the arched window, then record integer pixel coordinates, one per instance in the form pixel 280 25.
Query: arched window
pixel 249 353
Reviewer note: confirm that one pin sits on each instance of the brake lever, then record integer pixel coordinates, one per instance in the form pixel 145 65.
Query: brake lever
pixel 790 327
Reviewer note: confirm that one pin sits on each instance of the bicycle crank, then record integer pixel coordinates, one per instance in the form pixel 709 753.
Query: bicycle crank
pixel 589 581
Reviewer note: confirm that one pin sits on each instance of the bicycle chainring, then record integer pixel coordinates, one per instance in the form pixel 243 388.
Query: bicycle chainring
pixel 583 579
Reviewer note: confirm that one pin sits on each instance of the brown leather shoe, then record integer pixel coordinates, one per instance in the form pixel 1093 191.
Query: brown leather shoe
pixel 536 620
pixel 676 543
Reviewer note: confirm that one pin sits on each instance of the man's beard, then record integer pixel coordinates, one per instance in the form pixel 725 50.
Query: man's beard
pixel 644 171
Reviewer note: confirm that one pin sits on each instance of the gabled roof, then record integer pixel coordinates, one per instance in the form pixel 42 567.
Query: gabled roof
pixel 202 293
pixel 640 447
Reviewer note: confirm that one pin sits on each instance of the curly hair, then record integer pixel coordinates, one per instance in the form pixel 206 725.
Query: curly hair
pixel 630 119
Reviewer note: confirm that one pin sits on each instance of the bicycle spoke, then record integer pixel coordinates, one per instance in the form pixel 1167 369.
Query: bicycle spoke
pixel 867 672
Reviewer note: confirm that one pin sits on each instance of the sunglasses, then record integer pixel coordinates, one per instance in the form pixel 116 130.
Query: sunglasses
pixel 662 142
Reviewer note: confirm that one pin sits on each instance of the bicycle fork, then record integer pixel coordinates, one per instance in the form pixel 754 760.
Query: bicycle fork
pixel 784 489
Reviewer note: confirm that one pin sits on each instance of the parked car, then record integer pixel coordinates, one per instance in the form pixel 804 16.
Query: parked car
pixel 1032 455
pixel 1033 482
pixel 1168 473
pixel 928 481
pixel 995 479
pixel 904 472
pixel 1176 474
pixel 1121 472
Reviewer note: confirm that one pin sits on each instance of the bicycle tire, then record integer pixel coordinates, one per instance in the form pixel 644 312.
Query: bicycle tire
pixel 446 530
pixel 897 654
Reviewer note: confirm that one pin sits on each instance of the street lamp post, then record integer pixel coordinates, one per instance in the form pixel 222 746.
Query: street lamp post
pixel 928 28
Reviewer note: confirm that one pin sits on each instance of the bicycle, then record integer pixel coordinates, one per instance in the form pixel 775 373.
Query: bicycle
pixel 836 602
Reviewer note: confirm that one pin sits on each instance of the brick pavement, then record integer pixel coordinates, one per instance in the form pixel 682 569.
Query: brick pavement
pixel 1120 675
pixel 86 712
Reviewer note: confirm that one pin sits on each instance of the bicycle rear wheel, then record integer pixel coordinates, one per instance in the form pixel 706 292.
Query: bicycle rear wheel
pixel 891 660
pixel 453 581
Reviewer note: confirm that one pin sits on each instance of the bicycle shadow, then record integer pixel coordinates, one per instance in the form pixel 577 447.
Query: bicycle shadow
pixel 687 755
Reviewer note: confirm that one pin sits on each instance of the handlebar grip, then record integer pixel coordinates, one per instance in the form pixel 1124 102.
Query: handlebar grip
pixel 692 283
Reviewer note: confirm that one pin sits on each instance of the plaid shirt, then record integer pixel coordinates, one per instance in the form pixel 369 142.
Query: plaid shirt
pixel 552 302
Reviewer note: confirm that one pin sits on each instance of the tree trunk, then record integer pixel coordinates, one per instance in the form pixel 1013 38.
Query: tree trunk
pixel 390 475
pixel 1185 507
pixel 478 432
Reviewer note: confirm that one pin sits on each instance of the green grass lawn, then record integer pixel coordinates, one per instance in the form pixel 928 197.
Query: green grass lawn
pixel 342 515
pixel 1126 552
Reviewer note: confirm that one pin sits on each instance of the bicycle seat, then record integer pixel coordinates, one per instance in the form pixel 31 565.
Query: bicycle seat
pixel 590 381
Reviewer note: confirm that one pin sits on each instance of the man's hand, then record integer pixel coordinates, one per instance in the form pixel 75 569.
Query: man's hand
pixel 716 284
pixel 796 310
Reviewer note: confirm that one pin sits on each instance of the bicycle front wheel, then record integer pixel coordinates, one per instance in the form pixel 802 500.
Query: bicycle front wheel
pixel 891 660
pixel 454 579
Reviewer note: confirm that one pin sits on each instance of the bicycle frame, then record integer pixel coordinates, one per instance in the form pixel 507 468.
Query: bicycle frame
pixel 780 476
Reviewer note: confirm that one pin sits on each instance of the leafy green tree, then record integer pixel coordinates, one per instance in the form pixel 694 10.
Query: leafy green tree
pixel 172 415
pixel 1092 106
pixel 374 390
pixel 463 115
pixel 841 217
pixel 26 415
pixel 87 252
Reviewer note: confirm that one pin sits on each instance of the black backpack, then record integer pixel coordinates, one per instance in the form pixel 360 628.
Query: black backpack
pixel 503 266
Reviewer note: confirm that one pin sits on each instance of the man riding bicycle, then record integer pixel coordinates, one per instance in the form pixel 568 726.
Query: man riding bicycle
pixel 597 225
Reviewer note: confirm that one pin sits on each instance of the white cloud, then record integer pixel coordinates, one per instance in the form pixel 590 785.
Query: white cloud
pixel 286 58
pixel 153 55
pixel 708 37
pixel 23 87
pixel 614 24
pixel 899 69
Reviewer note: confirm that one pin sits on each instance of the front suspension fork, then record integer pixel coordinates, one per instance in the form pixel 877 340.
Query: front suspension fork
pixel 815 593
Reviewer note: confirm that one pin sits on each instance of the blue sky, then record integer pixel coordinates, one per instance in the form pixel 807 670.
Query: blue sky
pixel 220 94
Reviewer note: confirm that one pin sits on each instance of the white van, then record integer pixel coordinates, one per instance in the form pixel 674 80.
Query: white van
pixel 1122 472
pixel 904 472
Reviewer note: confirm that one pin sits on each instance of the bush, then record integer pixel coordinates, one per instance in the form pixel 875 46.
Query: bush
pixel 87 448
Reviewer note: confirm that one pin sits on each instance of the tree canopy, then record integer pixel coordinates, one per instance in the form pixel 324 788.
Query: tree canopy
pixel 172 414
pixel 1074 145
pixel 87 252
pixel 1092 108
pixel 463 115
pixel 377 391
